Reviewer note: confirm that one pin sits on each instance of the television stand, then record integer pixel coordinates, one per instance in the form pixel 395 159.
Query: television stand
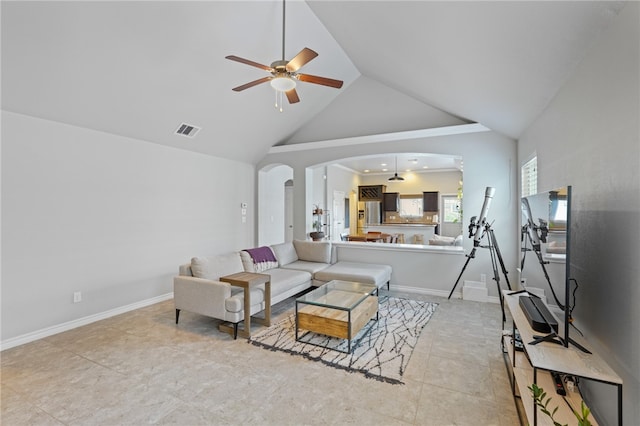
pixel 533 363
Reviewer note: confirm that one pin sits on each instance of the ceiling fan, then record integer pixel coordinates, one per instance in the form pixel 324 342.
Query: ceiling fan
pixel 284 74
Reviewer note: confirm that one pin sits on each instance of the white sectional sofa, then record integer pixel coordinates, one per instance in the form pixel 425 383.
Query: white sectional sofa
pixel 297 266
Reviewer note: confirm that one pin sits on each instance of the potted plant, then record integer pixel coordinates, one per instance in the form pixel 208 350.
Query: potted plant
pixel 539 396
pixel 318 235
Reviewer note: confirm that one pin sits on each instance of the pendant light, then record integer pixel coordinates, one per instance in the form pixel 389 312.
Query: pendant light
pixel 395 177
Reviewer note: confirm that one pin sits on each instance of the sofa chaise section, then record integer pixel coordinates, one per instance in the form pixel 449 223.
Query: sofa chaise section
pixel 368 273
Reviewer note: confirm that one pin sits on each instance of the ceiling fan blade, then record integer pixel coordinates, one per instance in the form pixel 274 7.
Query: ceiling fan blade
pixel 248 62
pixel 300 59
pixel 320 80
pixel 251 84
pixel 292 96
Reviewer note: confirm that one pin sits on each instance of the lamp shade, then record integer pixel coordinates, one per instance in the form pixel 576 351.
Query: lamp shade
pixel 283 83
pixel 395 177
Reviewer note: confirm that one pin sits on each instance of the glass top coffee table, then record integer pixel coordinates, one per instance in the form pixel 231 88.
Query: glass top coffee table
pixel 337 309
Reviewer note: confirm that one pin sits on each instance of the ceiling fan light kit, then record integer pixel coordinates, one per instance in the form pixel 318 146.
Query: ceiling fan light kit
pixel 284 75
pixel 283 83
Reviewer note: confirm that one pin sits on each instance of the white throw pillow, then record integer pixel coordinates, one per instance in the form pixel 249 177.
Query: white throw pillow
pixel 247 261
pixel 214 267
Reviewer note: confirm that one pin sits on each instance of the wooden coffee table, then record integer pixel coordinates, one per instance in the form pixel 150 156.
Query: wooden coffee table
pixel 247 280
pixel 338 309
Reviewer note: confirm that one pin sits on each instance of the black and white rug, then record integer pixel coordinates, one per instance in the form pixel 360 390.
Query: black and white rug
pixel 382 350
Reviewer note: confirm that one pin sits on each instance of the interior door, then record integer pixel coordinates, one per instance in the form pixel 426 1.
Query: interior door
pixel 288 213
pixel 337 215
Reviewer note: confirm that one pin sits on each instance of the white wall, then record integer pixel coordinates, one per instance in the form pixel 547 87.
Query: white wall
pixel 373 108
pixel 105 215
pixel 589 137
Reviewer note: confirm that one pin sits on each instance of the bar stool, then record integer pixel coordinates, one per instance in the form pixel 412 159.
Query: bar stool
pixel 418 239
pixel 400 239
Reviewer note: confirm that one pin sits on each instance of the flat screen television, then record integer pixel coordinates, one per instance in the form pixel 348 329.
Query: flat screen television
pixel 546 255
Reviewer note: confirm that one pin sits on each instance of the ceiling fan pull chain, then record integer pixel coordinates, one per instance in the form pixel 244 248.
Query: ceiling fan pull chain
pixel 278 100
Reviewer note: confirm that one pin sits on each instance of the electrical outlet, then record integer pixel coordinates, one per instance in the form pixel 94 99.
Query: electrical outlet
pixel 483 278
pixel 77 297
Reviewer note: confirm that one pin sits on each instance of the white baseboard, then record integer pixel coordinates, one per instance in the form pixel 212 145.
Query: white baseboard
pixel 50 331
pixel 439 293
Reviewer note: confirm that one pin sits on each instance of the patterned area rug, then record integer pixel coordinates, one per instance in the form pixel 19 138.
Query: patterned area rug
pixel 381 350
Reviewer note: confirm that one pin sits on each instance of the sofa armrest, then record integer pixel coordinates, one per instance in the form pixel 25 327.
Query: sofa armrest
pixel 202 296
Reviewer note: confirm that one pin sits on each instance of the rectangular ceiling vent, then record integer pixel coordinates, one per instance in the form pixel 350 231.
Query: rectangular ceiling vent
pixel 187 130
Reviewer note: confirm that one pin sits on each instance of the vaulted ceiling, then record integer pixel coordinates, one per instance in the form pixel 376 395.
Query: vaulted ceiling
pixel 140 69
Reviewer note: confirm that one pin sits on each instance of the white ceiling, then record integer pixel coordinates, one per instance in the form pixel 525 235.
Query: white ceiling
pixel 139 69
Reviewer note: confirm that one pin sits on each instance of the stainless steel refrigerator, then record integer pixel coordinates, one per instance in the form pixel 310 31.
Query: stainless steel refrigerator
pixel 372 212
pixel 369 213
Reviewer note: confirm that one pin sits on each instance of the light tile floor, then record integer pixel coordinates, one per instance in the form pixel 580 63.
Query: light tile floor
pixel 140 368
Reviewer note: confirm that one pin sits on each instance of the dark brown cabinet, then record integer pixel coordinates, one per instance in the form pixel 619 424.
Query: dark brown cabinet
pixel 430 201
pixel 391 201
pixel 371 192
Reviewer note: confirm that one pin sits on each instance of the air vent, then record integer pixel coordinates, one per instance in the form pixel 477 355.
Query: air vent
pixel 187 130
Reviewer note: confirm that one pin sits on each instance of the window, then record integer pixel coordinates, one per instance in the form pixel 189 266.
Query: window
pixel 529 175
pixel 451 209
pixel 410 206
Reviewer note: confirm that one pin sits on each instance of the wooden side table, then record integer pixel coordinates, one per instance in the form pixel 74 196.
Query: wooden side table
pixel 248 280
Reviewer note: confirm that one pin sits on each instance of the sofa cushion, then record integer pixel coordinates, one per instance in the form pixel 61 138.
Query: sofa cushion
pixel 283 279
pixel 303 265
pixel 285 253
pixel 235 303
pixel 313 251
pixel 214 267
pixel 359 272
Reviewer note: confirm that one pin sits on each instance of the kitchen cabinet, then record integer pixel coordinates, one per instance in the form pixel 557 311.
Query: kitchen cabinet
pixel 371 192
pixel 430 201
pixel 391 201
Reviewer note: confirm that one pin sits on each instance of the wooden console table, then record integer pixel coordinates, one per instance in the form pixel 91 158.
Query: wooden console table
pixel 248 280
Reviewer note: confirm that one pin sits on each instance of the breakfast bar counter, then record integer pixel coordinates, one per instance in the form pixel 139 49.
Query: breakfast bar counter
pixel 408 229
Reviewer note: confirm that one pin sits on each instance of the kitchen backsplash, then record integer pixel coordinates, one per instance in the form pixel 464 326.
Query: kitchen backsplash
pixel 428 218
